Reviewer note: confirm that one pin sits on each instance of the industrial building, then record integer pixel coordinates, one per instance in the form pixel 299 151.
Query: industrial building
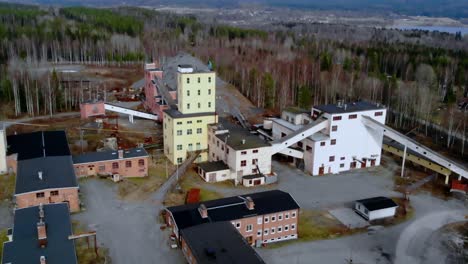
pixel 126 163
pixel 376 208
pixel 261 218
pixel 41 234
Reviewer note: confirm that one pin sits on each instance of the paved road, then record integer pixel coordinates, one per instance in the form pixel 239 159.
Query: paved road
pixel 29 119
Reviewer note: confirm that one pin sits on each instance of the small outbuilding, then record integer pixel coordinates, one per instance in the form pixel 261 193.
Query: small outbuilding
pixel 376 208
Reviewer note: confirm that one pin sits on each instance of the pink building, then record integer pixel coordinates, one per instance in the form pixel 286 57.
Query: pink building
pixel 88 109
pixel 155 102
pixel 126 163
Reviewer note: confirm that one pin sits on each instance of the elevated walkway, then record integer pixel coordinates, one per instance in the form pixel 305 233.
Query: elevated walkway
pixel 130 112
pixel 306 131
pixel 415 146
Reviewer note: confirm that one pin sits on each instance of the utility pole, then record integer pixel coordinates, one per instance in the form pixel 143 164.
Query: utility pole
pixel 403 163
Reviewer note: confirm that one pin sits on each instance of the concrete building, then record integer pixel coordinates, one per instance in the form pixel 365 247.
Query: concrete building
pixel 247 157
pixel 344 143
pixel 44 169
pixel 217 242
pixel 127 163
pixel 261 218
pixel 185 125
pixel 41 235
pixel 376 208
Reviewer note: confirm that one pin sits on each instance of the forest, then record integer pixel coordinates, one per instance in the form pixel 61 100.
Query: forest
pixel 420 75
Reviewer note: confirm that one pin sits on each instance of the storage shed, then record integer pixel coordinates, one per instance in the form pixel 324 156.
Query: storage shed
pixel 375 208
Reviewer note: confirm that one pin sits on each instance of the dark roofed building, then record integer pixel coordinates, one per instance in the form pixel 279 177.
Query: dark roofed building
pixel 348 107
pixel 242 210
pixel 38 144
pixel 33 238
pixel 376 208
pixel 217 242
pixel 241 139
pixel 109 155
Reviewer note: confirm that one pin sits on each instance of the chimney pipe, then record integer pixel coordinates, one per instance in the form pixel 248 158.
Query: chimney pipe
pixel 203 211
pixel 249 203
pixel 121 152
pixel 39 174
pixel 41 234
pixel 43 260
pixel 243 141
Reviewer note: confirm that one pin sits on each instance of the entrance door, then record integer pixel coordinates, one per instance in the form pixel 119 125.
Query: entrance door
pixel 364 163
pixel 353 165
pixel 257 182
pixel 372 163
pixel 321 170
pixel 249 240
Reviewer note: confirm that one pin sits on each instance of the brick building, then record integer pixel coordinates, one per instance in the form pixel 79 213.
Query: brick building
pixel 127 163
pixel 217 242
pixel 261 218
pixel 40 235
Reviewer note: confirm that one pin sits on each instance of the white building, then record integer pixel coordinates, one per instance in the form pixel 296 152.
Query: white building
pixel 247 158
pixel 376 208
pixel 3 150
pixel 344 142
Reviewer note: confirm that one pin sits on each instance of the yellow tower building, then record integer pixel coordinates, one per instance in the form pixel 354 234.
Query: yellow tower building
pixel 186 126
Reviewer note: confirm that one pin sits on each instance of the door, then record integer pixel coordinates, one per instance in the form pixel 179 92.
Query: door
pixel 321 170
pixel 212 177
pixel 364 163
pixel 372 163
pixel 257 182
pixel 353 165
pixel 249 240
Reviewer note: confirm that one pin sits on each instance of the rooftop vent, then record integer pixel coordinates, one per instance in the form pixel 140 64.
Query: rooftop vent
pixel 42 234
pixel 185 68
pixel 249 203
pixel 203 211
pixel 243 141
pixel 121 154
pixel 42 259
pixel 39 174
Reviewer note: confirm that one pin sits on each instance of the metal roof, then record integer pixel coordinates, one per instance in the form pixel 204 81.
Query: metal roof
pixel 177 114
pixel 38 144
pixel 109 155
pixel 219 243
pixel 240 139
pixel 349 107
pixel 377 203
pixel 213 166
pixel 25 249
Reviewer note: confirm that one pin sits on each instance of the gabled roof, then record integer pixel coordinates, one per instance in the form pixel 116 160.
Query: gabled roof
pixel 231 208
pixel 38 144
pixel 25 248
pixel 57 172
pixel 349 107
pixel 109 155
pixel 377 203
pixel 219 242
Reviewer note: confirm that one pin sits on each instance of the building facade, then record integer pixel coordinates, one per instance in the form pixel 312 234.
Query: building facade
pixel 50 196
pixel 185 127
pixel 3 151
pixel 127 163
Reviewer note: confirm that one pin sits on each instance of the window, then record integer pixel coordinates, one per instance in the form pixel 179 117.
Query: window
pixel 333 142
pixel 238 224
pixel 115 165
pixel 254 161
pixel 378 114
pixel 188 93
pixel 227 150
pixel 342 165
pixel 198 80
pixel 199 92
pixel 209 79
pixel 243 163
pixel 54 193
pixel 141 162
pixel 334 128
pixel 286 216
pixel 198 146
pixel 259 232
pixel 259 220
pixel 102 168
pixel 352 116
pixel 280 217
pixel 342 158
pixel 179 123
pixel 199 130
pixel 309 148
pixel 366 211
pixel 179 132
pixel 188 80
pixel 209 91
pixel 128 164
pixel 199 121
pixel 249 228
pixel 189 122
pixel 293 226
pixel 279 229
pixel 188 106
pixel 293 214
pixel 273 218
pixel 179 147
pixel 265 232
pixel 40 195
pixel 179 160
pixel 255 151
pixel 322 144
pixel 331 158
pixel 272 230
pixel 199 105
pixel 209 104
pixel 189 131
pixel 299 144
pixel 336 118
pixel 266 219
pixel 243 152
pixel 286 228
pixel 217 143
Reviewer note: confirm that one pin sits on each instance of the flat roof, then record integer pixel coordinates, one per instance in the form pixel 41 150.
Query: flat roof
pixel 24 247
pixel 174 113
pixel 109 155
pixel 231 208
pixel 296 110
pixel 211 166
pixel 349 107
pixel 377 203
pixel 219 242
pixel 38 144
pixel 241 139
pixel 57 172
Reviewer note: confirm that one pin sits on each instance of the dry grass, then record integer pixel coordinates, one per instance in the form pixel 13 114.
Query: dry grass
pixel 3 238
pixel 7 186
pixel 87 255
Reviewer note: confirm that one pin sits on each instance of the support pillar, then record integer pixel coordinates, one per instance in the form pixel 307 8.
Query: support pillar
pixel 403 163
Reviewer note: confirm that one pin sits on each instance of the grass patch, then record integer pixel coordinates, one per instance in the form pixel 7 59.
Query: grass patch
pixel 7 188
pixel 206 195
pixel 3 238
pixel 87 255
